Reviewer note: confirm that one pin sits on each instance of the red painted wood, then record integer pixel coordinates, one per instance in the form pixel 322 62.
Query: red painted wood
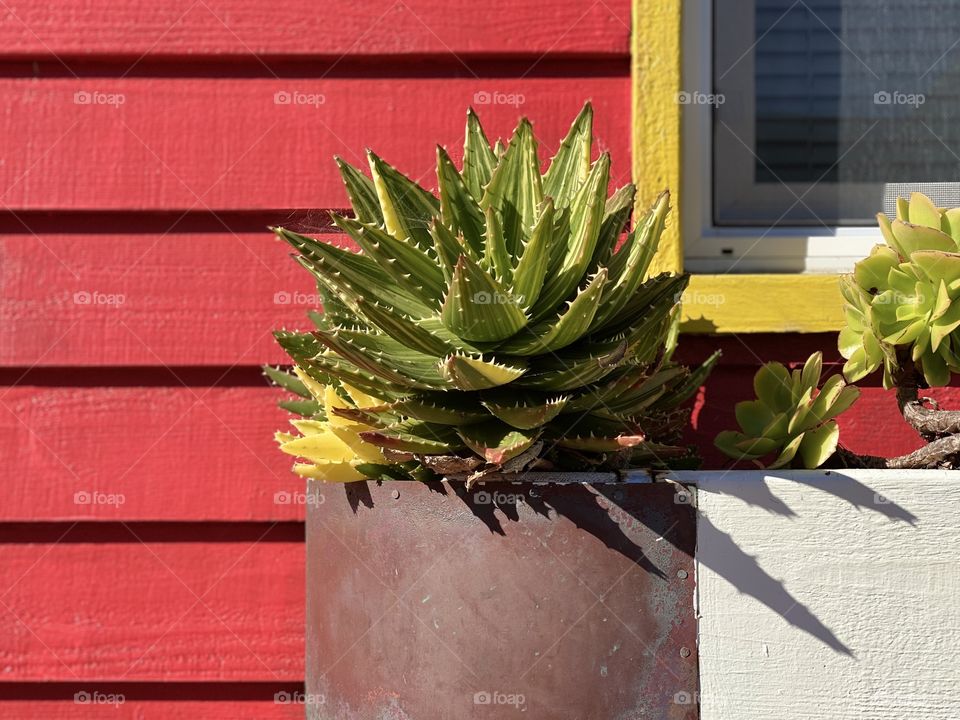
pixel 180 299
pixel 301 27
pixel 130 611
pixel 151 710
pixel 145 453
pixel 225 144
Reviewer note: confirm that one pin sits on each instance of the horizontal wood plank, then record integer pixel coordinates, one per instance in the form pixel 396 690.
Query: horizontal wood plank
pixel 252 144
pixel 145 453
pixel 302 27
pixel 178 300
pixel 152 611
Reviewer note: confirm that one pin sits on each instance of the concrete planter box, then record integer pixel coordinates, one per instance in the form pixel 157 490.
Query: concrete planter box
pixel 818 594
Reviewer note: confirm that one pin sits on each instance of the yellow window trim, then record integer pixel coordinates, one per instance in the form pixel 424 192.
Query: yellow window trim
pixel 714 303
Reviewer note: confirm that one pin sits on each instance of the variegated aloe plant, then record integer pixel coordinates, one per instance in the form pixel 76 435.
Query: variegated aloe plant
pixel 497 325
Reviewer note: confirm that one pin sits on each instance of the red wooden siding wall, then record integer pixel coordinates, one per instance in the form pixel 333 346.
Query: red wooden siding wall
pixel 148 545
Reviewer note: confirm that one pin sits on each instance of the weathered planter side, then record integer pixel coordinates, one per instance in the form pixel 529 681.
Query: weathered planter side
pixel 425 601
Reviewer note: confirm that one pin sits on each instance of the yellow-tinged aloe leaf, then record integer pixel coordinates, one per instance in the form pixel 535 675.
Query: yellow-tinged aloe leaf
pixel 334 472
pixel 319 447
pixel 471 373
pixel 407 208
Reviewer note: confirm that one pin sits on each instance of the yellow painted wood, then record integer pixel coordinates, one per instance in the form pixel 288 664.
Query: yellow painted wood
pixel 656 115
pixel 762 303
pixel 713 303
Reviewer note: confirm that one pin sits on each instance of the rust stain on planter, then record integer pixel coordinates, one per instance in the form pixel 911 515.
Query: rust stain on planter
pixel 561 602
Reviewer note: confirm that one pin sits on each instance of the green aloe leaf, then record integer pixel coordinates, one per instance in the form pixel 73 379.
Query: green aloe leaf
pixel 524 411
pixel 616 215
pixel 441 408
pixel 570 167
pixel 531 270
pixel 286 380
pixel 352 275
pixel 410 266
pixel 479 159
pixel 629 265
pixel 515 189
pixel 496 258
pixel 478 308
pixel 412 333
pixel 497 442
pixel 586 215
pixel 572 325
pixel 384 357
pixel 460 211
pixel 407 208
pixel 363 195
pixel 414 437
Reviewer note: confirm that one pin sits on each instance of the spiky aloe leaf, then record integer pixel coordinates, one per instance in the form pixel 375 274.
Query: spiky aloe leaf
pixel 478 158
pixel 407 208
pixel 287 380
pixel 414 437
pixel 689 384
pixel 363 195
pixel 328 369
pixel 478 308
pixel 524 412
pixel 497 442
pixel 303 408
pixel 586 215
pixel 442 408
pixel 300 346
pixel 515 189
pixel 459 209
pixel 572 325
pixel 570 167
pixel 531 269
pixel 385 358
pixel 497 257
pixel 413 334
pixel 474 373
pixel 616 215
pixel 628 267
pixel 352 275
pixel 409 266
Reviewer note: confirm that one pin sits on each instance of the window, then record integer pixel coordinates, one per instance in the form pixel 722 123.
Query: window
pixel 800 114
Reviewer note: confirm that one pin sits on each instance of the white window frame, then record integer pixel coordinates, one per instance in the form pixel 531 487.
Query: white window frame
pixel 712 249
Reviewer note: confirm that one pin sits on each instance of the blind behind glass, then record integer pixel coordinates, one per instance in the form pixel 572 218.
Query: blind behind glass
pixel 848 94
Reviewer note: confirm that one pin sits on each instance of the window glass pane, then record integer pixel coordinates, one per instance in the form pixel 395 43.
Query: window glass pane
pixel 827 100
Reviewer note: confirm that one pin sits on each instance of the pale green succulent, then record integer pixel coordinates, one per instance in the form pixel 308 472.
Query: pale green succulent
pixel 500 319
pixel 905 295
pixel 789 418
